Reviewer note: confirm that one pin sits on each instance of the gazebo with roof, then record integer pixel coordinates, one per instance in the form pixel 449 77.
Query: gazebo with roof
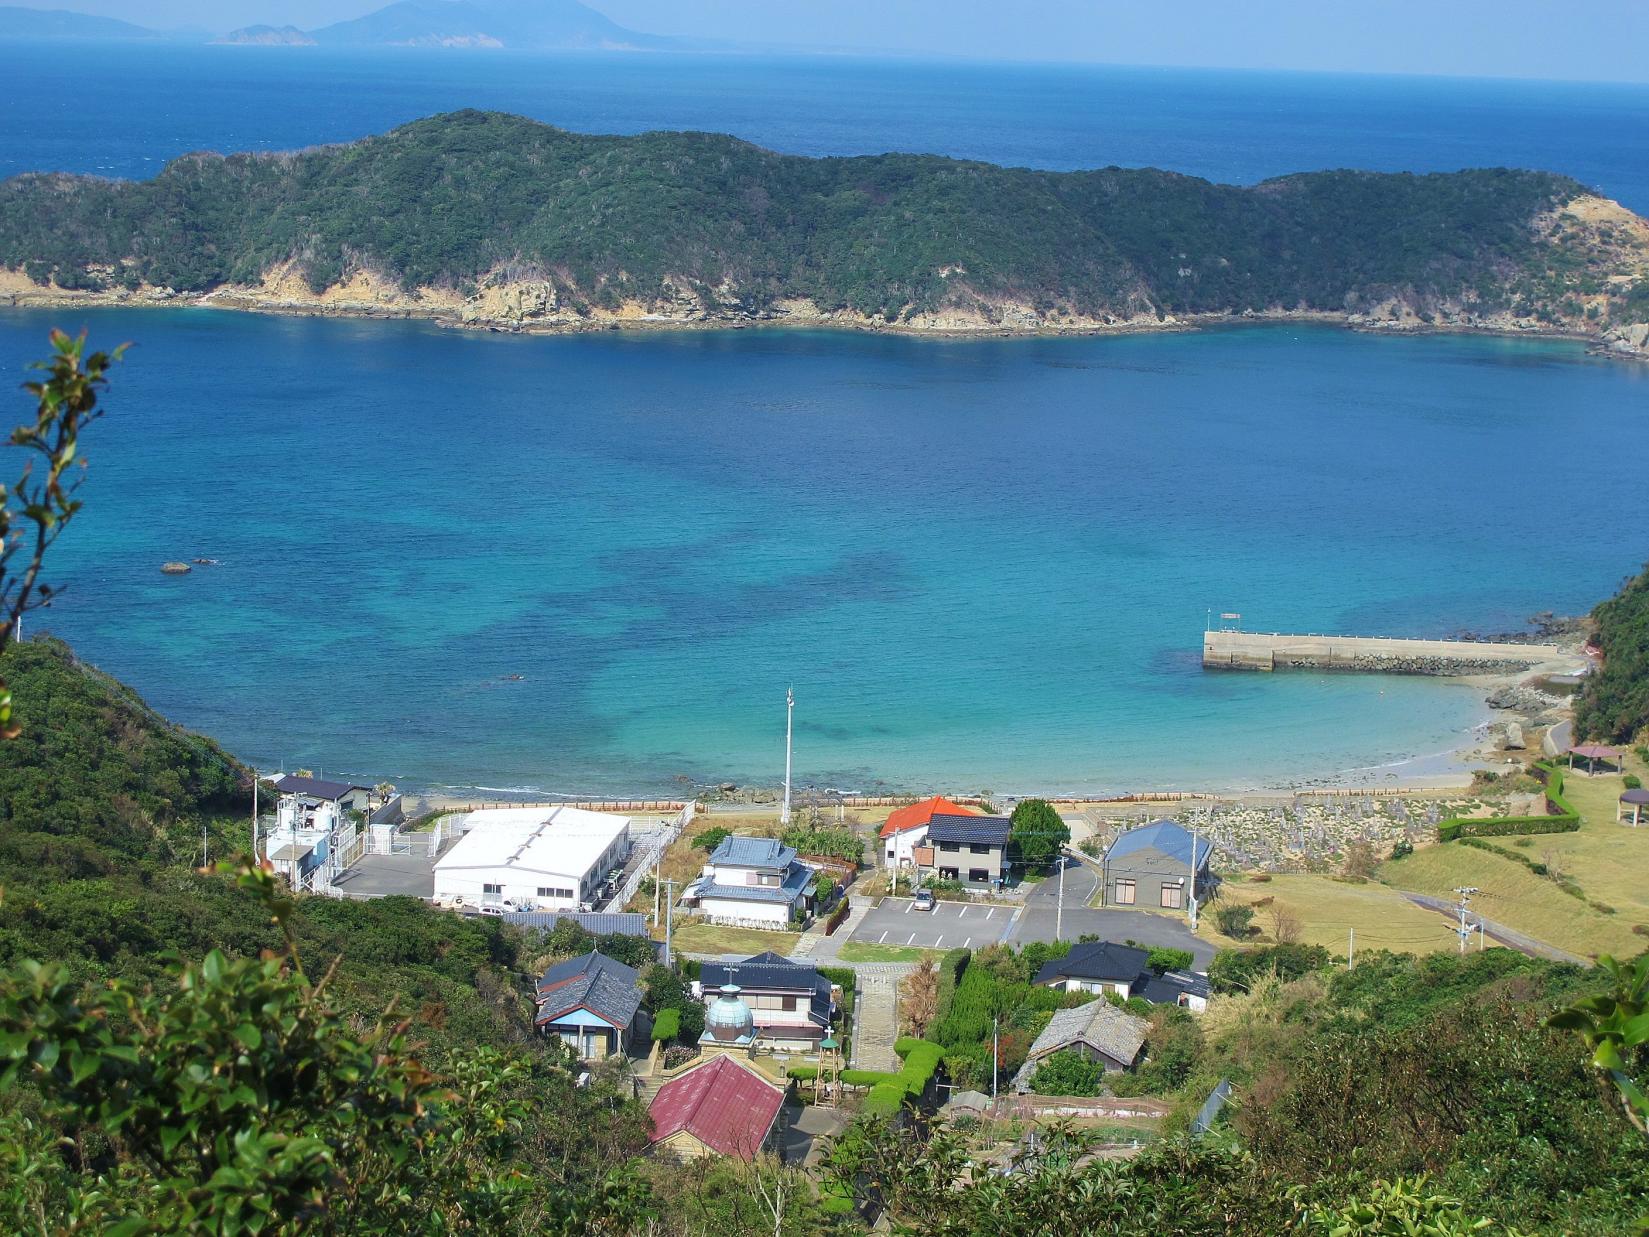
pixel 1591 753
pixel 1634 803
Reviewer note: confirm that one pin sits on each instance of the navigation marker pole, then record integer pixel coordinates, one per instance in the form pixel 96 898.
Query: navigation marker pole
pixel 669 917
pixel 789 711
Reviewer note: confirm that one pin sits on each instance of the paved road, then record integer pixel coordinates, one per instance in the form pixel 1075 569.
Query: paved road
pixel 947 926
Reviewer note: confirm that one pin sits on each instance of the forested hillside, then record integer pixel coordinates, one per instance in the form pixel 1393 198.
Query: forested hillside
pixel 495 217
pixel 1614 702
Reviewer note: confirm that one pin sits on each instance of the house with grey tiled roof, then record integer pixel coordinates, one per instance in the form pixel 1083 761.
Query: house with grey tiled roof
pixel 592 1004
pixel 757 882
pixel 1098 1031
pixel 969 849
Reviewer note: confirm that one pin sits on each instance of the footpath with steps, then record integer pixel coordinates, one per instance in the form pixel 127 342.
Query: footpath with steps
pixel 876 1015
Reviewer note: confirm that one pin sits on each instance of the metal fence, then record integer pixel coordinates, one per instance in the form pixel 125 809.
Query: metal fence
pixel 651 852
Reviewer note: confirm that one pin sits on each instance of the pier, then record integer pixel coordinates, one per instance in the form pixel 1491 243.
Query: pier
pixel 1249 650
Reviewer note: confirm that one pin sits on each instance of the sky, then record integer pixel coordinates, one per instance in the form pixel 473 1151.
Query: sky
pixel 1584 40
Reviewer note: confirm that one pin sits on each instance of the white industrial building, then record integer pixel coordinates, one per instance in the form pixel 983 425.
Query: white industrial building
pixel 535 858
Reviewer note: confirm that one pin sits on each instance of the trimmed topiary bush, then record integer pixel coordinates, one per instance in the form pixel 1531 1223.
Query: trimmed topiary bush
pixel 666 1026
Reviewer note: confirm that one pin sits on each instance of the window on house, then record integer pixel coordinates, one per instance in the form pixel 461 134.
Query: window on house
pixel 1171 896
pixel 485 888
pixel 1125 893
pixel 980 848
pixel 947 874
pixel 770 879
pixel 950 848
pixel 890 853
pixel 979 875
pixel 789 1005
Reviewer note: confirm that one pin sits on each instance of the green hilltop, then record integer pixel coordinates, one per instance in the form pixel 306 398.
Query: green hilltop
pixel 704 226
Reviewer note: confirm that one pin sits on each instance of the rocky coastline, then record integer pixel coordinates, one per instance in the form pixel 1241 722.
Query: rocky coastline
pixel 537 309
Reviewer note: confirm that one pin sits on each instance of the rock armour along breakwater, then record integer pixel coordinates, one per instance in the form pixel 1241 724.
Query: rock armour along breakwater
pixel 1241 650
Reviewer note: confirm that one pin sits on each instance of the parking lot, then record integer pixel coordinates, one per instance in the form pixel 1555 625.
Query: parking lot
pixel 949 925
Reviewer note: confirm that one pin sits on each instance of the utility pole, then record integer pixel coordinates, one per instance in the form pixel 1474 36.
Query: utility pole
pixel 996 1054
pixel 1194 849
pixel 656 889
pixel 203 844
pixel 669 916
pixel 1059 905
pixel 254 816
pixel 1351 948
pixel 789 713
pixel 1464 930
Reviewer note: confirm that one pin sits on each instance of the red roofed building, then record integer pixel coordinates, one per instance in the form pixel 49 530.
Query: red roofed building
pixel 907 827
pixel 721 1107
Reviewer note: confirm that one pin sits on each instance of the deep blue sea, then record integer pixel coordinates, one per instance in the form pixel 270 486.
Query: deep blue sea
pixel 592 564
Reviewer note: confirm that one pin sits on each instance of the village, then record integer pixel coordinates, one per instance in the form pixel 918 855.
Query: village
pixel 760 975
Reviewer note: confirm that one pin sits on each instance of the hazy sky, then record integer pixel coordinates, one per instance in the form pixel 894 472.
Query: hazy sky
pixel 1582 39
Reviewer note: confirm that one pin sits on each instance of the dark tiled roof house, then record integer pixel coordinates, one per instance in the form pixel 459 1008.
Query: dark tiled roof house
pixel 592 1004
pixel 970 849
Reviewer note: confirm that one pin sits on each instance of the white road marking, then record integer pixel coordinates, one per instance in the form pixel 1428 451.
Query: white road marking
pixel 968 944
pixel 909 906
pixel 989 911
pixel 912 940
pixel 883 937
pixel 961 912
pixel 939 942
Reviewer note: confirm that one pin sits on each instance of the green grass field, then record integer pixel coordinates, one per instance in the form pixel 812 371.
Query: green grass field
pixel 1608 861
pixel 868 951
pixel 1329 910
pixel 707 938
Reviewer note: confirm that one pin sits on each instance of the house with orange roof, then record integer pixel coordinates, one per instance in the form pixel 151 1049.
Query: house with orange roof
pixel 907 827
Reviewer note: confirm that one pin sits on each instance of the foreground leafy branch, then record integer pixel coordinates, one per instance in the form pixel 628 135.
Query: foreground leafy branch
pixel 238 1101
pixel 34 512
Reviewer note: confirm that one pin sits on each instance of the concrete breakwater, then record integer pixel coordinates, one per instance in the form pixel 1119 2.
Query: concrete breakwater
pixel 1245 650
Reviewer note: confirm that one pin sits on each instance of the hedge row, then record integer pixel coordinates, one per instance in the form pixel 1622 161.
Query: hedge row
pixel 1566 819
pixel 890 1091
pixel 802 1073
pixel 837 915
pixel 666 1026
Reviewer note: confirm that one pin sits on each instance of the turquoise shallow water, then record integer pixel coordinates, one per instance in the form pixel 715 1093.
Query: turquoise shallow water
pixel 982 564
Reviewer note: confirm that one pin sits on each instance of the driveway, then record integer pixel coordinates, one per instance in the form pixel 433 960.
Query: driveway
pixel 948 925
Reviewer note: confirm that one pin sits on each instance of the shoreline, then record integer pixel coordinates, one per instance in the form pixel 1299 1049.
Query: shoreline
pixel 16 293
pixel 1420 775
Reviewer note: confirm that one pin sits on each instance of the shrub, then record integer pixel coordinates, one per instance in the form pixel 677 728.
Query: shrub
pixel 1234 921
pixel 1632 781
pixel 1402 848
pixel 667 1026
pixel 866 1077
pixel 1163 959
pixel 712 838
pixel 1068 1073
pixel 883 1100
pixel 802 1073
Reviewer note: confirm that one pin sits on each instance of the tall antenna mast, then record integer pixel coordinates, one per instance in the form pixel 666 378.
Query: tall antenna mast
pixel 789 712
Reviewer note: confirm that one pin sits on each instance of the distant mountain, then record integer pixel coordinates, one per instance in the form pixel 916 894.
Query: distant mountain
pixel 269 36
pixel 523 24
pixel 21 23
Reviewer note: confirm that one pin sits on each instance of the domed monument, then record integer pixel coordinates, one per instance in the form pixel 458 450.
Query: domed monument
pixel 728 1021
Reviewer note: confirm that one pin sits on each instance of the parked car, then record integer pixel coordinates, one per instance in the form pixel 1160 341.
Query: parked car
pixel 923 900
